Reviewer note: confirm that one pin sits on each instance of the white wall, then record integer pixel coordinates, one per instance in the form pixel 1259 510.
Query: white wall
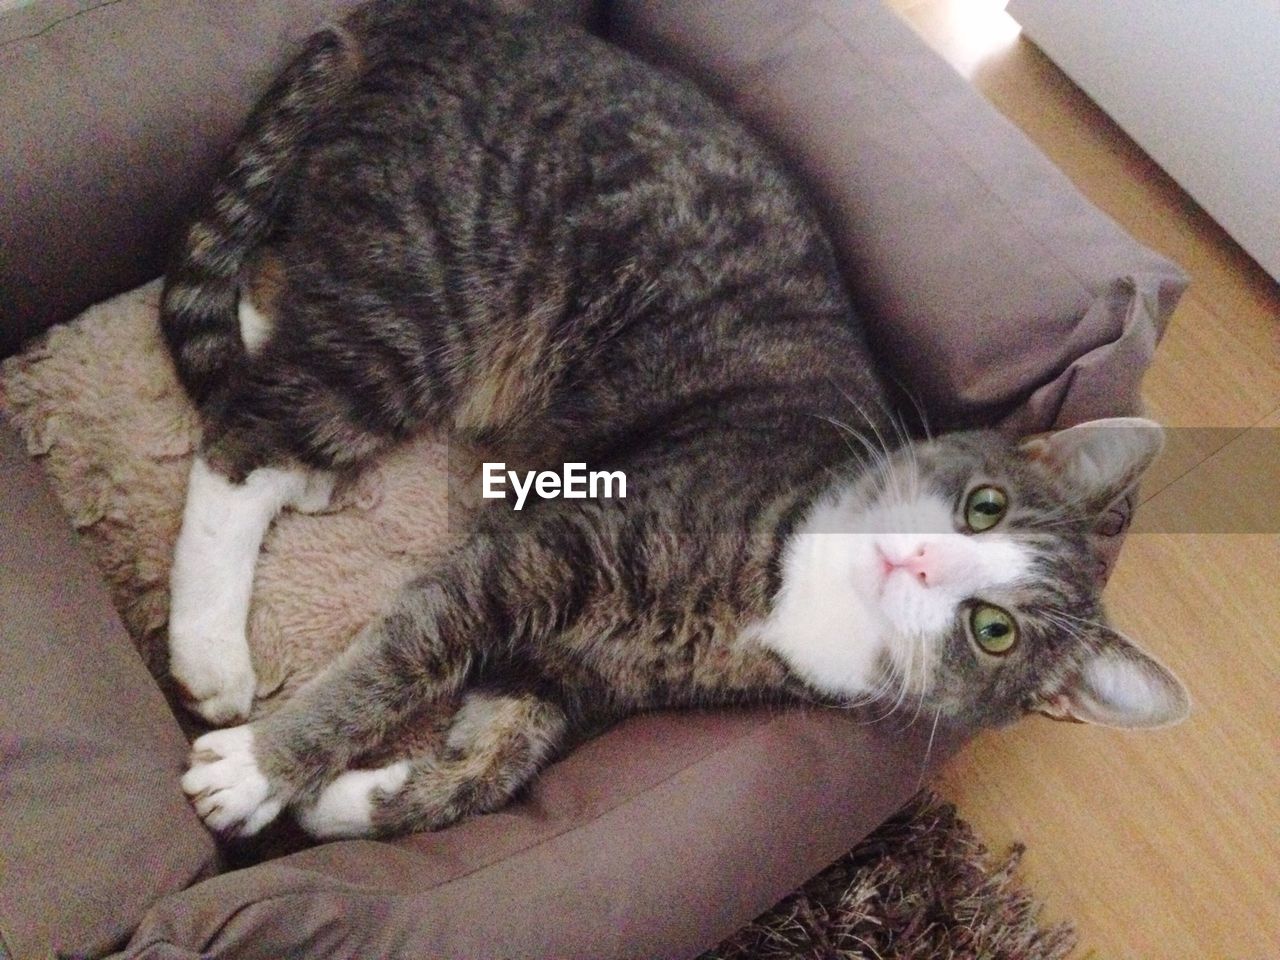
pixel 1196 83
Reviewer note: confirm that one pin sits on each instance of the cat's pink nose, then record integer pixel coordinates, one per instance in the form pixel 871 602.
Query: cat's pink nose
pixel 921 563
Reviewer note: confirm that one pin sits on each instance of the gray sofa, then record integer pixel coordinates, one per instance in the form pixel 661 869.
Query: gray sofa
pixel 996 295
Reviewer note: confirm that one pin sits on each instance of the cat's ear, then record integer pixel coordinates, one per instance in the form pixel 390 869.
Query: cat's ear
pixel 1101 459
pixel 1119 685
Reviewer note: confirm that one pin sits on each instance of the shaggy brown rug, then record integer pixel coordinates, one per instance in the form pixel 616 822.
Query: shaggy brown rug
pixel 922 887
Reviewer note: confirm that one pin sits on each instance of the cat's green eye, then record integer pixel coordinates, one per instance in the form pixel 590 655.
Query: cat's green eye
pixel 995 631
pixel 984 507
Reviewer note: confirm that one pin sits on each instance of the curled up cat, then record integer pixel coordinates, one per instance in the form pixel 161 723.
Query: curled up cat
pixel 441 216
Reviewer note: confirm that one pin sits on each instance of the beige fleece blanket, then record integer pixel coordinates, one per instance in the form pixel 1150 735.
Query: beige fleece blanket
pixel 98 404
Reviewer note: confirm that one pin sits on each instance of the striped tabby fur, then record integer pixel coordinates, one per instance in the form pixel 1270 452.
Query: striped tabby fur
pixel 446 217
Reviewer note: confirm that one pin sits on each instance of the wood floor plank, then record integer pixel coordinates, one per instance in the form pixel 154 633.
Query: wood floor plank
pixel 1234 490
pixel 1214 372
pixel 1211 381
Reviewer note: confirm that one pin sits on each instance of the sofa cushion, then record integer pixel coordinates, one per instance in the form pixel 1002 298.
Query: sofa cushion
pixel 655 840
pixel 100 405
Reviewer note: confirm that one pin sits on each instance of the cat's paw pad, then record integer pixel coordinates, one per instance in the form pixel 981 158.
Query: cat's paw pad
pixel 215 676
pixel 345 807
pixel 226 786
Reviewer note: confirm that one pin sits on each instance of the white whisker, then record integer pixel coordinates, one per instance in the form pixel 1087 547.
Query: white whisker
pixel 928 750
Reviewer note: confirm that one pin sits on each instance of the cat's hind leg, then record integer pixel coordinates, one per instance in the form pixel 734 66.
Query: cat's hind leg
pixel 211 582
pixel 497 743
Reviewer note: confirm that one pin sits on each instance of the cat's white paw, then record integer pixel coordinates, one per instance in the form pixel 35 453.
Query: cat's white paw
pixel 226 786
pixel 345 807
pixel 215 673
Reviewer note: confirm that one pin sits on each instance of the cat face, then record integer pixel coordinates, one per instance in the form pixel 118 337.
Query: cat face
pixel 960 571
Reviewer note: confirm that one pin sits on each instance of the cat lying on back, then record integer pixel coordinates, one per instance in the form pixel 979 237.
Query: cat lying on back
pixel 440 216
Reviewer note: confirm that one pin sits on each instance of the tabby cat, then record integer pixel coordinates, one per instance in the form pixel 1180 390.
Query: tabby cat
pixel 442 216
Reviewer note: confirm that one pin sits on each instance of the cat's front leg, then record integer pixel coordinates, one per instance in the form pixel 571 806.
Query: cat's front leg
pixel 497 743
pixel 419 652
pixel 223 524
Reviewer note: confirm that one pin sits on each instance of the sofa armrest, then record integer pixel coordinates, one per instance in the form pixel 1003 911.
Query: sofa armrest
pixel 93 826
pixel 657 839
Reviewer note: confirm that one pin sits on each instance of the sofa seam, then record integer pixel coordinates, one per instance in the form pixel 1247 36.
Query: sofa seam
pixel 57 23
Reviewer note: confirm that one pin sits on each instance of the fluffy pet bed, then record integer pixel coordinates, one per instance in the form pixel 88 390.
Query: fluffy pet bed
pixel 98 404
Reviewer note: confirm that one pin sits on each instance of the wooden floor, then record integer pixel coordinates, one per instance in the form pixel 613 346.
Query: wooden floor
pixel 1161 845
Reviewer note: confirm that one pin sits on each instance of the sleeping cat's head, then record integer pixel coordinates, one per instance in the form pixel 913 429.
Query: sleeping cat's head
pixel 962 570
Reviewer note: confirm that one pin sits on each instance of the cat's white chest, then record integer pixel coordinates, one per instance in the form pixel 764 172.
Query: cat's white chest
pixel 825 630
